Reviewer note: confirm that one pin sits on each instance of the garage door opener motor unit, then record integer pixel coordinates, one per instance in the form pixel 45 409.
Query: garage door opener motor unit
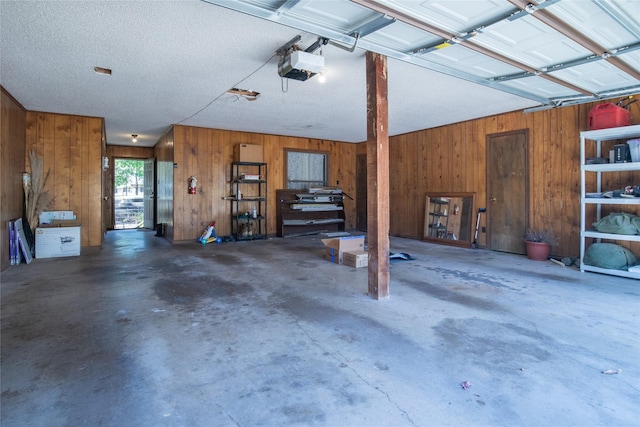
pixel 300 64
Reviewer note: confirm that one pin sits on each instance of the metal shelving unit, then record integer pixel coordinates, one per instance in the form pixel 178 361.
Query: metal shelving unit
pixel 597 137
pixel 249 190
pixel 439 209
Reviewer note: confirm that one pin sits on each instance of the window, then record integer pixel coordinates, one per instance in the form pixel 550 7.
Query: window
pixel 306 169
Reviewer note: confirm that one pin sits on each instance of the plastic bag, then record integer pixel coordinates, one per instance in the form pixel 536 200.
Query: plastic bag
pixel 609 255
pixel 618 223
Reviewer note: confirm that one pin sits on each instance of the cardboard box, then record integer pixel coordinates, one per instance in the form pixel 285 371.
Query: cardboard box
pixel 249 153
pixel 48 216
pixel 332 258
pixel 58 240
pixel 61 223
pixel 356 259
pixel 336 247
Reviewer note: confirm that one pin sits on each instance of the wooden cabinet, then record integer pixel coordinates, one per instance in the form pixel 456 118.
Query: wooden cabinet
pixel 592 198
pixel 299 212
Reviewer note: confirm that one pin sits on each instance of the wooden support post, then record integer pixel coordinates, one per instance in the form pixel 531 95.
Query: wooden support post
pixel 378 175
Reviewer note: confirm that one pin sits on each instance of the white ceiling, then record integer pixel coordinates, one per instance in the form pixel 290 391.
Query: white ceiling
pixel 173 61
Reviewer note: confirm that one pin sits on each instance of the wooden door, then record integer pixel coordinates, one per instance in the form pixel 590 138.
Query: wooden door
pixel 361 192
pixel 149 193
pixel 508 190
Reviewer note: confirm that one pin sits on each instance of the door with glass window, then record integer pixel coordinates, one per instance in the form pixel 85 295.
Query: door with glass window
pixel 149 193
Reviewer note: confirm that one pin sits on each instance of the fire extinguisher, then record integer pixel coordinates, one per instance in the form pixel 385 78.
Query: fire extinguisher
pixel 192 184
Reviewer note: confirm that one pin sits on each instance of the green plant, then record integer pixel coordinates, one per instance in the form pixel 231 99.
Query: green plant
pixel 540 236
pixel 128 173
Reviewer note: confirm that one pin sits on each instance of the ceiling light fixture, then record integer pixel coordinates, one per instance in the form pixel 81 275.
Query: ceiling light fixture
pixel 134 138
pixel 322 76
pixel 103 71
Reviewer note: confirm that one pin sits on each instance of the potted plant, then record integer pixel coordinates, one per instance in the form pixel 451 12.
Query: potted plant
pixel 538 243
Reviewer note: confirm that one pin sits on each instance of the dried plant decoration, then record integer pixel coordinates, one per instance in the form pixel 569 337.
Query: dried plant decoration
pixel 539 236
pixel 36 199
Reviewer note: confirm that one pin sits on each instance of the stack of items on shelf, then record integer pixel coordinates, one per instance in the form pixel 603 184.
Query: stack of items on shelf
pixel 319 199
pixel 250 177
pixel 57 235
pixel 439 218
pixel 629 192
pixel 623 152
pixel 612 255
pixel 325 190
pixel 608 244
pixel 319 210
pixel 19 247
pixel 248 194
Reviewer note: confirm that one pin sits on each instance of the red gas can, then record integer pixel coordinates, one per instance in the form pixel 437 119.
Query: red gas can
pixel 608 116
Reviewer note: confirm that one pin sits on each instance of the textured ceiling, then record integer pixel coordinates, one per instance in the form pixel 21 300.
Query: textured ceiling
pixel 173 62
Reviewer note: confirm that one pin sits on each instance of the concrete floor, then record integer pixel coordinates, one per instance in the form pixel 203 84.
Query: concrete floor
pixel 268 333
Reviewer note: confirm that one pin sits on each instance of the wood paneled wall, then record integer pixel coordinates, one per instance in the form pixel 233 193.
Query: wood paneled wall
pixel 453 158
pixel 126 152
pixel 12 152
pixel 208 153
pixel 71 148
pixel 445 159
pixel 449 158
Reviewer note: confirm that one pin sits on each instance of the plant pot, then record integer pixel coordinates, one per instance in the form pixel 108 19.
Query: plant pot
pixel 538 251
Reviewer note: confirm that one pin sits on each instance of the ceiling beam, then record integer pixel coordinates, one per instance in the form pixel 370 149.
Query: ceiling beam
pixel 463 41
pixel 565 29
pixel 334 35
pixel 569 64
pixel 533 71
pixel 372 26
pixel 287 6
pixel 403 17
pixel 618 15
